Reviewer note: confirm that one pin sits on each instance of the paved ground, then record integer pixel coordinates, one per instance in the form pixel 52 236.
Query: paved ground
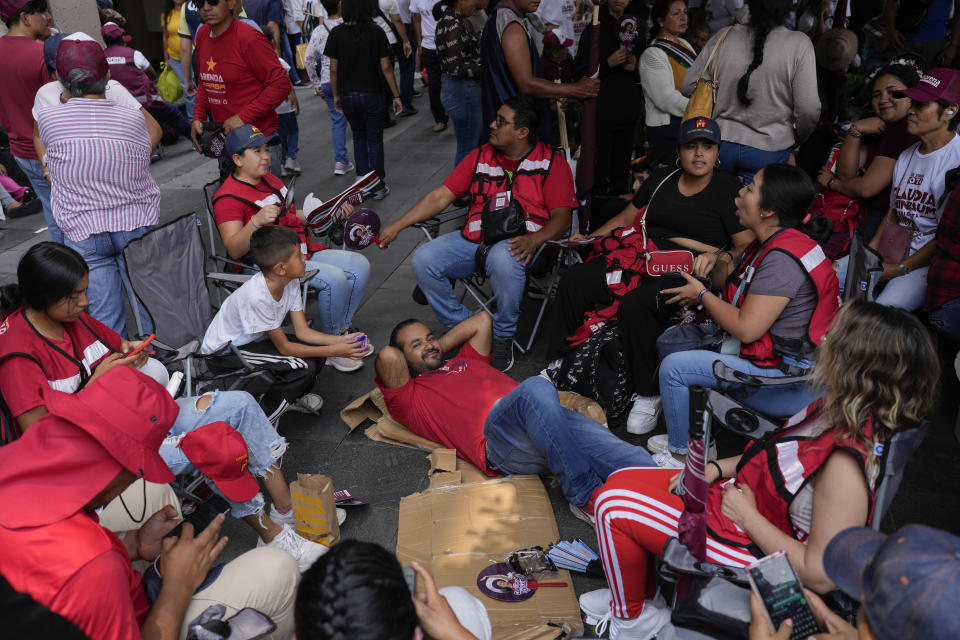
pixel 417 160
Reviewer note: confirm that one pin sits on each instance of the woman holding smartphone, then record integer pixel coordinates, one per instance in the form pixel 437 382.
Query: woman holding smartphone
pixel 877 370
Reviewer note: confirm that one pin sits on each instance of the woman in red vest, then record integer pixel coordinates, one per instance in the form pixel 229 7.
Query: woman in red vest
pixel 794 491
pixel 777 300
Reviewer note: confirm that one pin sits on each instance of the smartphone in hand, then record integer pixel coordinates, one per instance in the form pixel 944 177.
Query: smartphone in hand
pixel 777 586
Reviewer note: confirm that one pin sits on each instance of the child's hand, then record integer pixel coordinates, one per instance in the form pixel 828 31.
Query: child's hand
pixel 354 350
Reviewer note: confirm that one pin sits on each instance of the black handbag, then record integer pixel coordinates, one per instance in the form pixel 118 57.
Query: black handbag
pixel 501 219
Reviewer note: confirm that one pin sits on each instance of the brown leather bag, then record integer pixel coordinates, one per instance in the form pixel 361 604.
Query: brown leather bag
pixel 704 96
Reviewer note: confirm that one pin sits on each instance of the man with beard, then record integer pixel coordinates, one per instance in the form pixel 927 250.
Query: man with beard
pixel 492 421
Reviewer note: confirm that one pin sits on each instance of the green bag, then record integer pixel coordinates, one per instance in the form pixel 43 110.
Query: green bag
pixel 168 85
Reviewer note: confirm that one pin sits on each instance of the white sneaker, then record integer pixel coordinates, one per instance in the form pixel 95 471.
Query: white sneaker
pixel 643 416
pixel 344 364
pixel 304 551
pixel 309 403
pixel 292 166
pixel 654 616
pixel 281 518
pixel 660 442
pixel 595 605
pixel 665 460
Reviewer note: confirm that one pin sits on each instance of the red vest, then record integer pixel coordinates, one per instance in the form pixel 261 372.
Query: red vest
pixel 490 178
pixel 625 257
pixel 40 560
pixel 270 191
pixel 777 467
pixel 133 79
pixel 809 255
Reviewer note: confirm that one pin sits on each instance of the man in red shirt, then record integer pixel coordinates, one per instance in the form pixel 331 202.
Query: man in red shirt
pixel 240 77
pixel 22 73
pixel 490 420
pixel 91 446
pixel 513 169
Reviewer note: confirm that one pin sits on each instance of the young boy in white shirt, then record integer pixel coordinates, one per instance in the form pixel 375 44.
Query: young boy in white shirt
pixel 257 310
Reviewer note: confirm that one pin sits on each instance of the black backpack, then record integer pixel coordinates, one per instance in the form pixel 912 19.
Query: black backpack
pixel 597 370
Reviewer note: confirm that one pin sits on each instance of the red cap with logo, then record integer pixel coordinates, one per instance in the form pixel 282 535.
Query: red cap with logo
pixel 220 453
pixel 937 84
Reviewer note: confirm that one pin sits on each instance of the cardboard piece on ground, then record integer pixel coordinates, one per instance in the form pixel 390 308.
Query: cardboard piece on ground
pixel 447 469
pixel 314 508
pixel 456 531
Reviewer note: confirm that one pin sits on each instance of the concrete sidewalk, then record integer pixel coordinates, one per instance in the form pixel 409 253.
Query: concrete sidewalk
pixel 418 160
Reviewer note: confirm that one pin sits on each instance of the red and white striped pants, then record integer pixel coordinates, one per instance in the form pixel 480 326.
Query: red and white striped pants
pixel 636 515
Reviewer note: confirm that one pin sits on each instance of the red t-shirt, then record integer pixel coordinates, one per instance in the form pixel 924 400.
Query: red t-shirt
pixel 89 582
pixel 63 363
pixel 449 405
pixel 239 74
pixel 557 188
pixel 24 72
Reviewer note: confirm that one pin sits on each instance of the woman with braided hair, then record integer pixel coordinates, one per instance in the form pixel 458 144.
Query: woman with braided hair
pixel 767 100
pixel 357 591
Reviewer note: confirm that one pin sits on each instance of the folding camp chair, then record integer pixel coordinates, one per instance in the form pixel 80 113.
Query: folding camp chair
pixel 722 591
pixel 542 284
pixel 166 268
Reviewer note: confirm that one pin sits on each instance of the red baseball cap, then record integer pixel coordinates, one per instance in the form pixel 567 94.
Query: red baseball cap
pixel 128 413
pixel 9 8
pixel 937 84
pixel 80 51
pixel 220 453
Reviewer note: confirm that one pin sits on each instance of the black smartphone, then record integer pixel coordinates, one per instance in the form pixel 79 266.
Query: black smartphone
pixel 201 514
pixel 775 582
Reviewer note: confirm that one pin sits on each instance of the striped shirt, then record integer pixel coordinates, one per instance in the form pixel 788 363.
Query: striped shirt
pixel 98 154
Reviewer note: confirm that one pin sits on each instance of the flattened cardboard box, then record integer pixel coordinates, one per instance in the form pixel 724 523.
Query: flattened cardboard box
pixel 456 531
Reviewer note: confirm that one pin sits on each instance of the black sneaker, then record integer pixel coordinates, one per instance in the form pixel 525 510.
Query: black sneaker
pixel 502 357
pixel 381 193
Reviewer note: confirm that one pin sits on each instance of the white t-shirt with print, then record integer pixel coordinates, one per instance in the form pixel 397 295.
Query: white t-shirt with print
pixel 249 312
pixel 918 183
pixel 428 26
pixel 49 95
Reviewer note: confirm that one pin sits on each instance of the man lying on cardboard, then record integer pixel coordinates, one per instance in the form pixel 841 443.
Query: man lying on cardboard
pixel 490 419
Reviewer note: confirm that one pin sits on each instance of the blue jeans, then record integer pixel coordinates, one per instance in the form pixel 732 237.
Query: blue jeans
pixel 289 132
pixel 365 113
pixel 679 371
pixel 452 256
pixel 103 253
pixel 276 157
pixel 240 410
pixel 340 285
pixel 407 64
pixel 188 101
pixel 529 431
pixel 461 100
pixel 41 186
pixel 166 113
pixel 747 161
pixel 945 320
pixel 338 126
pixel 903 292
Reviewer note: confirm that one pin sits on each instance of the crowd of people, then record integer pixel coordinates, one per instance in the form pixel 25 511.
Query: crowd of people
pixel 715 173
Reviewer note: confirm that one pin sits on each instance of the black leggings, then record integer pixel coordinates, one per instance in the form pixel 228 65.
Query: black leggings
pixel 584 288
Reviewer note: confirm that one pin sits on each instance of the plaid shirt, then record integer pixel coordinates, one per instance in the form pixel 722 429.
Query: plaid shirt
pixel 943 280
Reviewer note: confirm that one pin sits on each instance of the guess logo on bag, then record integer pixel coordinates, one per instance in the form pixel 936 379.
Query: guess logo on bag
pixel 661 262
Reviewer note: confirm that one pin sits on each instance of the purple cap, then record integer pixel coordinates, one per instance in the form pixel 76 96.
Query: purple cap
pixel 76 52
pixel 361 229
pixel 113 31
pixel 908 582
pixel 937 84
pixel 9 8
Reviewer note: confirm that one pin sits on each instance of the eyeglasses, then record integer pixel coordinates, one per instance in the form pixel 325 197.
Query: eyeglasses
pixel 500 121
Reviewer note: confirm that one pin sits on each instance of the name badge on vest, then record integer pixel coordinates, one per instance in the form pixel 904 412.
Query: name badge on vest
pixel 748 274
pixel 501 200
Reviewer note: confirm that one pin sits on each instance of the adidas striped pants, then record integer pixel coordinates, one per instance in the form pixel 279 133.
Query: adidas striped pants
pixel 636 515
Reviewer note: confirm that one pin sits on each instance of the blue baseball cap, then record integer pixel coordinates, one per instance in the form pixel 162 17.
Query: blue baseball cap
pixel 696 128
pixel 245 137
pixel 908 582
pixel 50 49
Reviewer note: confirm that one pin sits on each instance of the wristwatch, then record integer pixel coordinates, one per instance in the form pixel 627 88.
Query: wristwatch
pixel 904 270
